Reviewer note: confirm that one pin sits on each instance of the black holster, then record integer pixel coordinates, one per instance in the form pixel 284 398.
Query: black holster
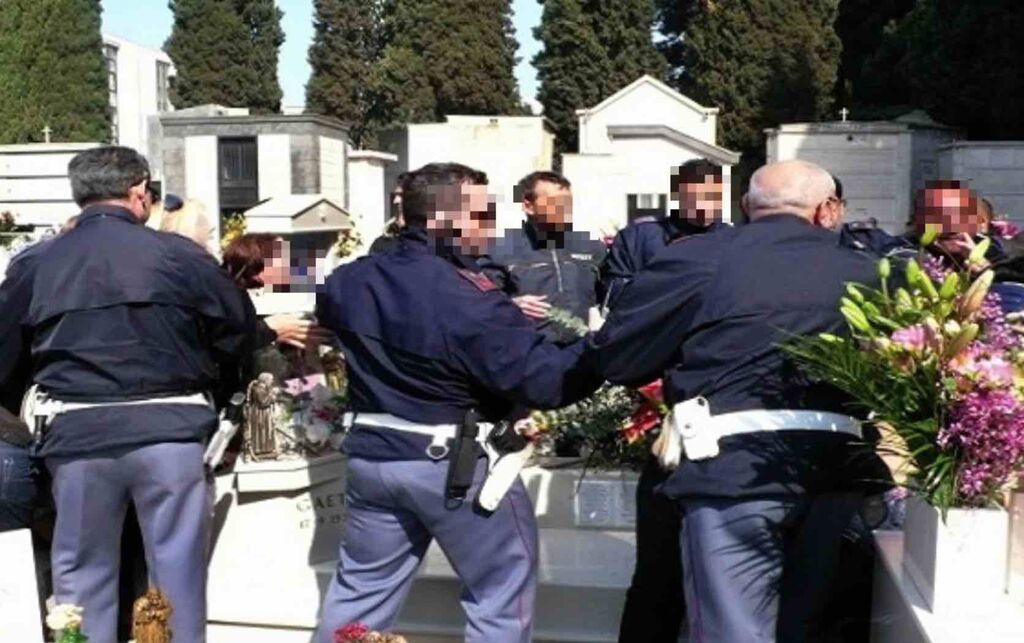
pixel 462 459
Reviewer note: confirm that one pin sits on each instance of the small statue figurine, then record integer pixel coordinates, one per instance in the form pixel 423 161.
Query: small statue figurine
pixel 260 434
pixel 333 362
pixel 151 617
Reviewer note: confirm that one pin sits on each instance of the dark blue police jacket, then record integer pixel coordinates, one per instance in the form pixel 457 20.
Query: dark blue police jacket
pixel 427 337
pixel 564 267
pixel 115 311
pixel 709 314
pixel 635 246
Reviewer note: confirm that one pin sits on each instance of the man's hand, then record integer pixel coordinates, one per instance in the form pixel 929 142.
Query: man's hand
pixel 297 332
pixel 533 306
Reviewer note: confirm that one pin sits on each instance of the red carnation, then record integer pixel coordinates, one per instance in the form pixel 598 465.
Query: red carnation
pixel 351 633
pixel 643 420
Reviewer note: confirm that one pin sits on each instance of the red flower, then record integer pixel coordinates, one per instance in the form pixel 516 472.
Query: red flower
pixel 643 420
pixel 653 391
pixel 351 633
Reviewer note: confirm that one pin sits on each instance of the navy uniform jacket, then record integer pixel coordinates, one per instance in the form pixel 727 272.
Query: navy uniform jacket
pixel 635 246
pixel 115 311
pixel 427 337
pixel 564 267
pixel 709 314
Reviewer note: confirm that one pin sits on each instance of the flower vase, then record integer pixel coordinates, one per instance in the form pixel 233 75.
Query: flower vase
pixel 958 565
pixel 1015 581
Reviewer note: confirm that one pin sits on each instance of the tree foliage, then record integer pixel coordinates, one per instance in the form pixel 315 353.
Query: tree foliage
pixel 226 52
pixel 957 60
pixel 346 42
pixel 413 61
pixel 763 62
pixel 52 71
pixel 591 49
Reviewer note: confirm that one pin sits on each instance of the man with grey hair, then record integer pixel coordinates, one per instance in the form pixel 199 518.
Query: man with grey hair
pixel 125 327
pixel 772 468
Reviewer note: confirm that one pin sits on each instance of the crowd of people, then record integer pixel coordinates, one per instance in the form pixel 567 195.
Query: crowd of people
pixel 133 338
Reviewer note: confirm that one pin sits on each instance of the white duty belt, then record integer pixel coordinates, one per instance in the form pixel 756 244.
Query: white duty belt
pixel 693 430
pixel 38 405
pixel 440 434
pixel 502 468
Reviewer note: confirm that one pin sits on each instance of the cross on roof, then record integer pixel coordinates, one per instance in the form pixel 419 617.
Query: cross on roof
pixel 46 133
pixel 844 113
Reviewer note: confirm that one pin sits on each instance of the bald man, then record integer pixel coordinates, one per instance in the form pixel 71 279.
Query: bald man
pixel 772 469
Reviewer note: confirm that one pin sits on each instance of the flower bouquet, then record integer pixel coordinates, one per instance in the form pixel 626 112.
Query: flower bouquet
pixel 66 622
pixel 611 428
pixel 941 369
pixel 359 633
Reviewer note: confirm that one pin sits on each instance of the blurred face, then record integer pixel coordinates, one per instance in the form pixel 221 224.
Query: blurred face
pixel 464 215
pixel 396 205
pixel 954 212
pixel 700 203
pixel 276 266
pixel 551 207
pixel 139 201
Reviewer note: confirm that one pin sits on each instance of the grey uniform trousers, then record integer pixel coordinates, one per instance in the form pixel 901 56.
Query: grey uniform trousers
pixel 760 571
pixel 168 485
pixel 394 510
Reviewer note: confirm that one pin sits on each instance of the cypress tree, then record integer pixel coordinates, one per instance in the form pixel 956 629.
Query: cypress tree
pixel 571 68
pixel 440 58
pixel 52 71
pixel 624 29
pixel 591 49
pixel 209 45
pixel 863 84
pixel 344 50
pixel 960 61
pixel 225 52
pixel 764 62
pixel 262 20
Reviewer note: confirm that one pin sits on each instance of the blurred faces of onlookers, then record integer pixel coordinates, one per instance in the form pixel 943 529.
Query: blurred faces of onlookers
pixel 954 212
pixel 698 188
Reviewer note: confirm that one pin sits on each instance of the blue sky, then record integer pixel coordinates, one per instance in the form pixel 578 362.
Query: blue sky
pixel 148 22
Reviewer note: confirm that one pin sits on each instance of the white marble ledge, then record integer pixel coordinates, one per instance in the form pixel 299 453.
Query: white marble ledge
pixel 900 614
pixel 568 558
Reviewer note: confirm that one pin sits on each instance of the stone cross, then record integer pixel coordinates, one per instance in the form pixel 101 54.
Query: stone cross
pixel 46 133
pixel 844 113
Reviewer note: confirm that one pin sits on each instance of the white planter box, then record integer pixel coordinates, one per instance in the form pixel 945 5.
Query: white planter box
pixel 958 566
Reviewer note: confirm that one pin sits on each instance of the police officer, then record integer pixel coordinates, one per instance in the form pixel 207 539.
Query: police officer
pixel 546 264
pixel 125 327
pixel 653 609
pixel 698 188
pixel 762 518
pixel 428 338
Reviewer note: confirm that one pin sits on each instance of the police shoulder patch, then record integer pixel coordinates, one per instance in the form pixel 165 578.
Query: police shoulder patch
pixel 478 279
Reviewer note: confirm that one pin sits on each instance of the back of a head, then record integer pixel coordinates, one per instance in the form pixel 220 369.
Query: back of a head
pixel 419 189
pixel 106 174
pixel 245 257
pixel 189 221
pixel 794 187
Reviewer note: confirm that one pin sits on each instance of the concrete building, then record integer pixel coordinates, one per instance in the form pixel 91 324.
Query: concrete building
pixel 232 161
pixel 505 147
pixel 628 145
pixel 139 81
pixel 994 168
pixel 34 184
pixel 881 163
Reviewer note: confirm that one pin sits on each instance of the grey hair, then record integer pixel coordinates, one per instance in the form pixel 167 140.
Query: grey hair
pixel 812 187
pixel 106 174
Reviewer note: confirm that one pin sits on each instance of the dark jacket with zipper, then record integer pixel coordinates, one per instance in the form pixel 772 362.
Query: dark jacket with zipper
pixel 564 267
